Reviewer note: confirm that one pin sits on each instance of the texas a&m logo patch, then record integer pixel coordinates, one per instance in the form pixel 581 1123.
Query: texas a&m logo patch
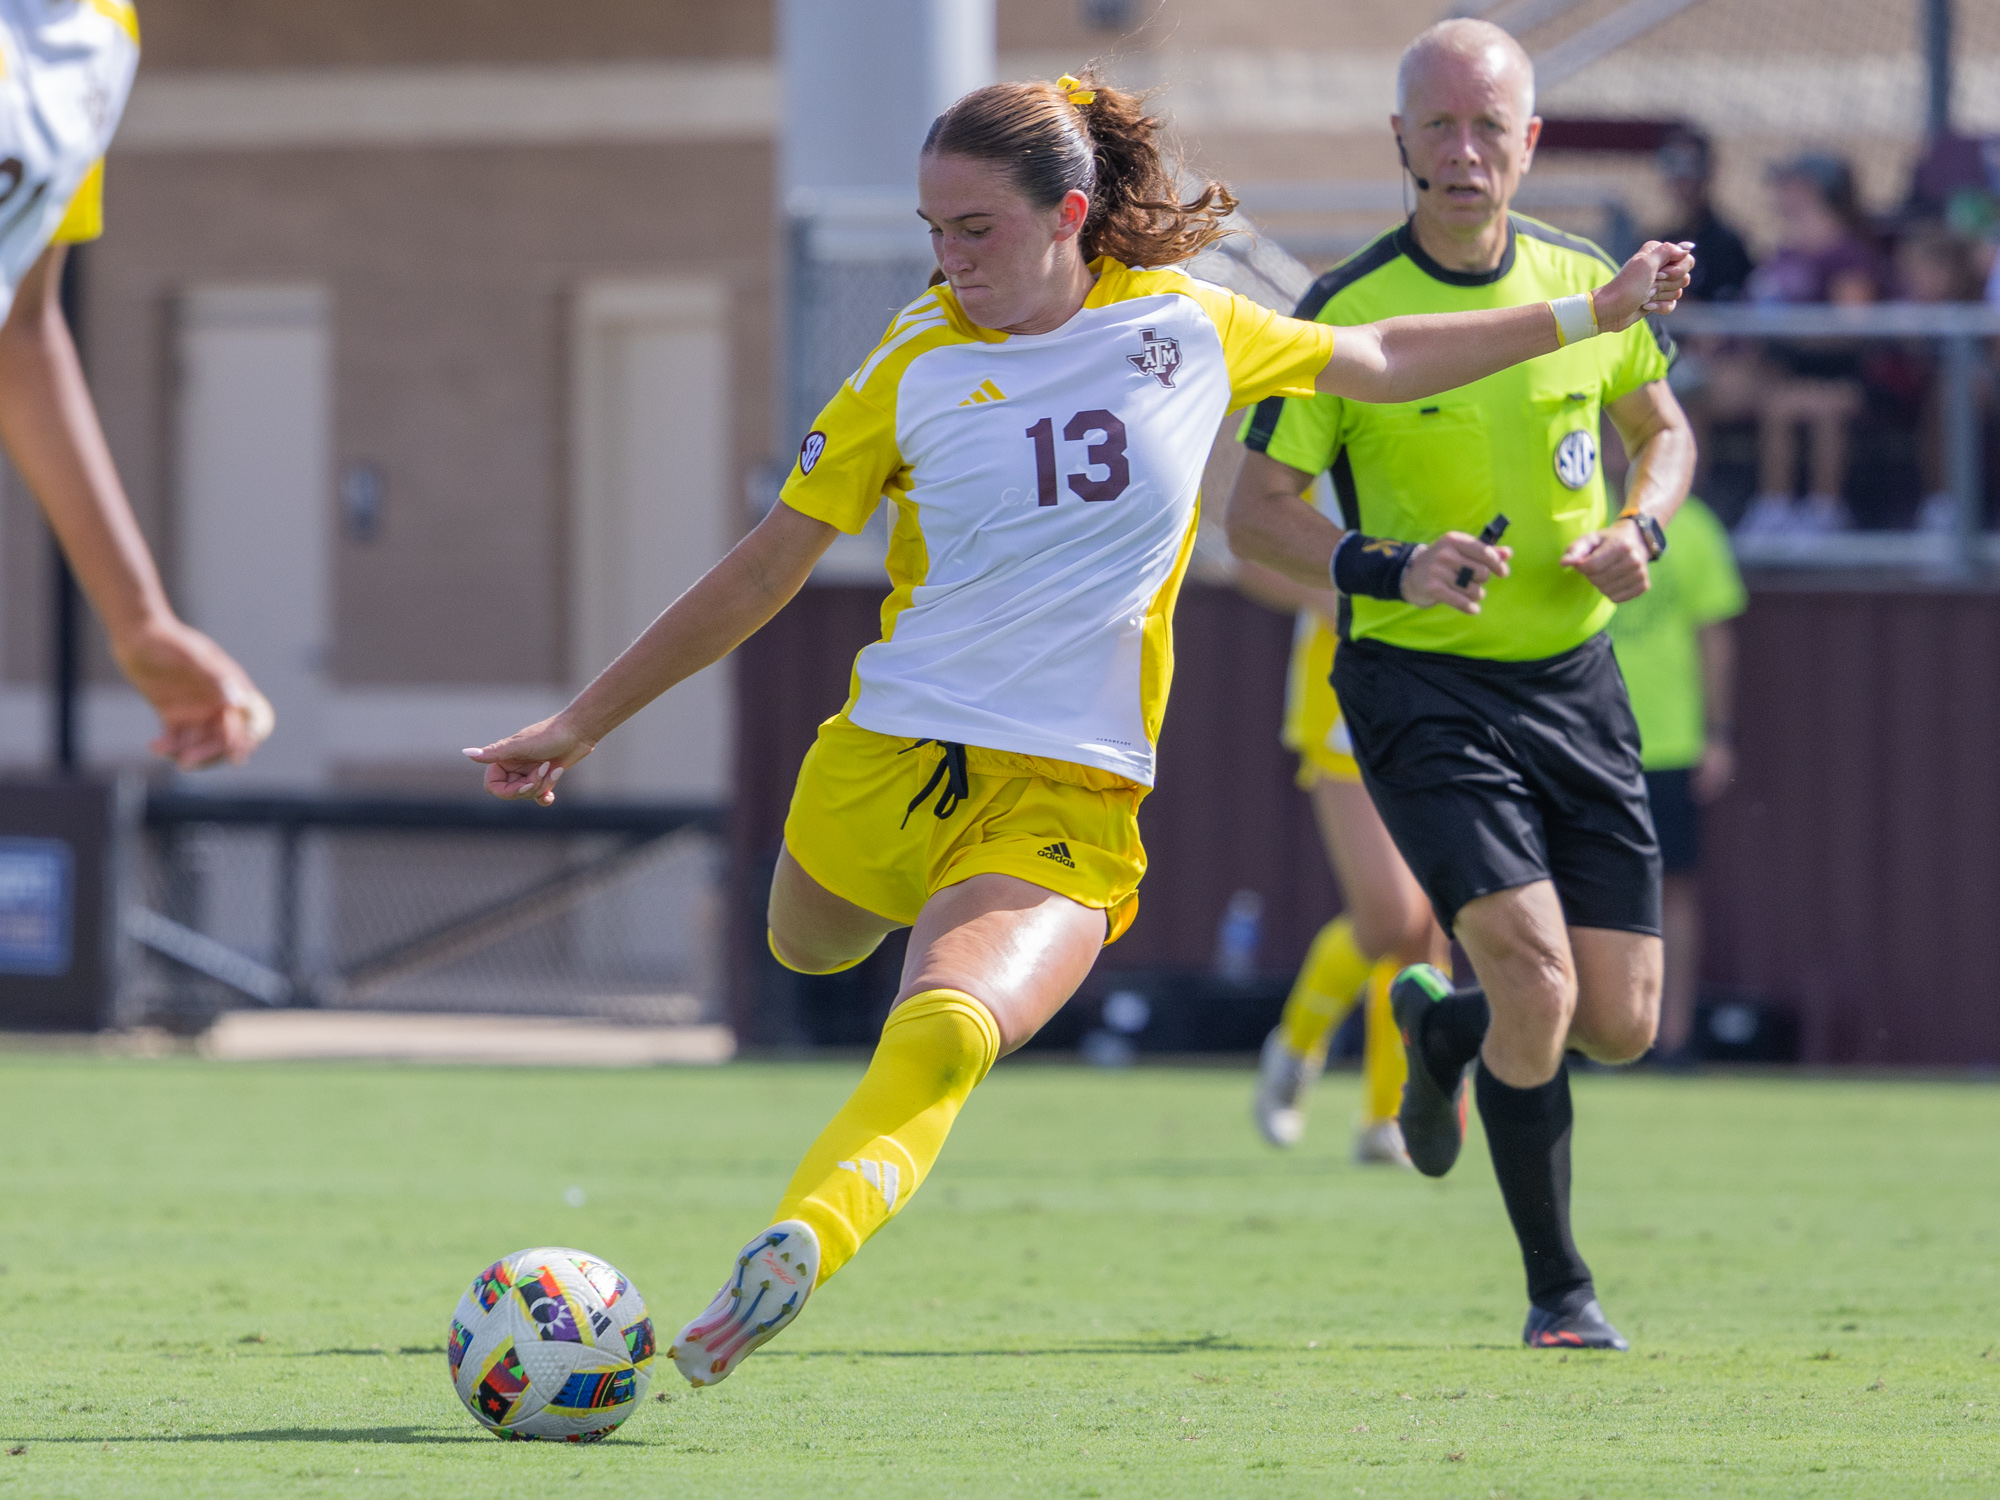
pixel 1159 358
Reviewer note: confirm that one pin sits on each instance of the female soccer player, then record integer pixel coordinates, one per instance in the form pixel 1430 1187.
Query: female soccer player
pixel 1387 925
pixel 68 66
pixel 1039 420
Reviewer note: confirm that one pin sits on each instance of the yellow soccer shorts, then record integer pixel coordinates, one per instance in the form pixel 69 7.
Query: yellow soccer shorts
pixel 1068 828
pixel 1313 725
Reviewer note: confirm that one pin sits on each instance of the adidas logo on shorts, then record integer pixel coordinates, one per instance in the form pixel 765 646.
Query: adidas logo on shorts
pixel 1059 852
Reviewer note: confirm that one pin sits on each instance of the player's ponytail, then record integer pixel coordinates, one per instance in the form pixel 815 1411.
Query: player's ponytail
pixel 1082 136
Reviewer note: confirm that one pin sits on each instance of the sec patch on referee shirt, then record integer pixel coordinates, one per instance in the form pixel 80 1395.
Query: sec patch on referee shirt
pixel 815 445
pixel 1576 459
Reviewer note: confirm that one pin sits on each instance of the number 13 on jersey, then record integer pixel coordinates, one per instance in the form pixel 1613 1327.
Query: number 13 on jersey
pixel 1108 455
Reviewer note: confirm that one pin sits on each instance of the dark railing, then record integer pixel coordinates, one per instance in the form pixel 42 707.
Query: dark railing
pixel 292 816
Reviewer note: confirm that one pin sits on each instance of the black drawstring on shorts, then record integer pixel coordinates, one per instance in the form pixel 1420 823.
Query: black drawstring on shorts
pixel 956 790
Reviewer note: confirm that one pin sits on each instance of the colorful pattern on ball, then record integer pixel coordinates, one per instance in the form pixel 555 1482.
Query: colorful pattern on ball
pixel 500 1387
pixel 549 1305
pixel 588 1390
pixel 552 1345
pixel 639 1342
pixel 491 1284
pixel 609 1285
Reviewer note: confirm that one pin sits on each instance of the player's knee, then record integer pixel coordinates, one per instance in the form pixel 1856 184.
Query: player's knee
pixel 808 958
pixel 1625 1038
pixel 1394 929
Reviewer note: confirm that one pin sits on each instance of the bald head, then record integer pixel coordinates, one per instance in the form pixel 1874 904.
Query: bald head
pixel 1466 45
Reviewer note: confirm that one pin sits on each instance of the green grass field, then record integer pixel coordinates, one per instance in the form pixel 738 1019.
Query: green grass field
pixel 235 1280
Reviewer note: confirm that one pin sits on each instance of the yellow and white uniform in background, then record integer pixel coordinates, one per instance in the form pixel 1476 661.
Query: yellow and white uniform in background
pixel 66 70
pixel 1313 728
pixel 1045 497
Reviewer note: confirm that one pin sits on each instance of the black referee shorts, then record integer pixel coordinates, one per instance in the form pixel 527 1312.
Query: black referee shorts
pixel 1496 774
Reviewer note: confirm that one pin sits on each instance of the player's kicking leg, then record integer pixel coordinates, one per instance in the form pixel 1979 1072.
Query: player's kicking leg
pixel 961 1007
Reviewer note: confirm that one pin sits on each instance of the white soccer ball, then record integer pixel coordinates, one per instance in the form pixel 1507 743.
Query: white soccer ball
pixel 551 1344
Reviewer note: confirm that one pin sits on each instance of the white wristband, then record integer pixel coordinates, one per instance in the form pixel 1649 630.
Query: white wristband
pixel 1576 319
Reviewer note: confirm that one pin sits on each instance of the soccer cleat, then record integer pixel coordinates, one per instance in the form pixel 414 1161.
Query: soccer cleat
pixel 1284 1078
pixel 1585 1328
pixel 774 1275
pixel 1380 1145
pixel 1433 1120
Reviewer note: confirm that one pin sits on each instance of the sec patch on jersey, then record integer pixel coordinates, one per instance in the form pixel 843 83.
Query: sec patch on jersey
pixel 810 450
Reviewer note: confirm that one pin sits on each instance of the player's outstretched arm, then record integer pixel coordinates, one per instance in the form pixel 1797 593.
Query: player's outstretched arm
pixel 726 606
pixel 1406 359
pixel 209 709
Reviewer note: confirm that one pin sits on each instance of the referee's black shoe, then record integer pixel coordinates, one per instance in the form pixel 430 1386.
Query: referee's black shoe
pixel 1433 1119
pixel 1584 1327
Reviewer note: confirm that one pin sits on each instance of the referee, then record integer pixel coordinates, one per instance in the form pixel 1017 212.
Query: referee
pixel 1493 734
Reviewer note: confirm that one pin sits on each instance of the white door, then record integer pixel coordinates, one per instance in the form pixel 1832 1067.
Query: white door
pixel 253 502
pixel 652 511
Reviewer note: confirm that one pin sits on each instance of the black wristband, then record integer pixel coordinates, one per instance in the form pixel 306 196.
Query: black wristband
pixel 1371 566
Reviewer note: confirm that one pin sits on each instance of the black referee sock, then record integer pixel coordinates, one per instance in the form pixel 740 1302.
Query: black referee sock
pixel 1454 1027
pixel 1528 1133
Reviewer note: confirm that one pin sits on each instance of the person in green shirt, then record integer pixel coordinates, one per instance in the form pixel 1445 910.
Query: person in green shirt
pixel 1677 649
pixel 1494 736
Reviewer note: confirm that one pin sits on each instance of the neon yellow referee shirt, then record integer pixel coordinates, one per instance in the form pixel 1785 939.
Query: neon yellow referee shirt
pixel 1522 442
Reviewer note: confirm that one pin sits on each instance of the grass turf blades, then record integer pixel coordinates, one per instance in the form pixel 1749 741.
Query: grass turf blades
pixel 235 1280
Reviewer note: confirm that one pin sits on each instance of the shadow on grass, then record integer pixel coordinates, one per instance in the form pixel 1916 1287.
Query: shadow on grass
pixel 280 1435
pixel 1095 1347
pixel 376 1352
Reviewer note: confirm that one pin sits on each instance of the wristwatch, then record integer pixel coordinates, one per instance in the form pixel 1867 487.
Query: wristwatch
pixel 1653 533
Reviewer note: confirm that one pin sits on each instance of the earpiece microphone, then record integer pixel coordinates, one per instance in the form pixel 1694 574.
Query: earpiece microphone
pixel 1423 183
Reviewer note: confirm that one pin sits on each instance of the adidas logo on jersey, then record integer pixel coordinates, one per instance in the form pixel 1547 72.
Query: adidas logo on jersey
pixel 987 391
pixel 1059 852
pixel 884 1176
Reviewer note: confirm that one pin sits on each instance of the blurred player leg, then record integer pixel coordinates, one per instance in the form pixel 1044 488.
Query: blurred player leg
pixel 1295 1052
pixel 1388 922
pixel 990 960
pixel 1383 1075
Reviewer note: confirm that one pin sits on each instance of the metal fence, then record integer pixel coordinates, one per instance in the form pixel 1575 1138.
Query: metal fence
pixel 604 910
pixel 1915 383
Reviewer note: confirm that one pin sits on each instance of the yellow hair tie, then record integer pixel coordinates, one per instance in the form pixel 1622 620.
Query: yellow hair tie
pixel 1076 92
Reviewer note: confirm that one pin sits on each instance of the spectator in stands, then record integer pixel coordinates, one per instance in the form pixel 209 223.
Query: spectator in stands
pixel 1716 379
pixel 1934 263
pixel 1826 253
pixel 1722 262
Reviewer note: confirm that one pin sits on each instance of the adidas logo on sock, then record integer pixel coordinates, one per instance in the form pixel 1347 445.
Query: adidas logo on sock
pixel 1059 852
pixel 884 1176
pixel 987 391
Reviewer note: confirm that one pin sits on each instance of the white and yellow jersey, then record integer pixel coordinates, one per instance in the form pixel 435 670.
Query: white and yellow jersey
pixel 1045 494
pixel 66 69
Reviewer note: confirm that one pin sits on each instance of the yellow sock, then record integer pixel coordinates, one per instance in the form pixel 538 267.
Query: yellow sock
pixel 1382 1052
pixel 876 1152
pixel 1333 972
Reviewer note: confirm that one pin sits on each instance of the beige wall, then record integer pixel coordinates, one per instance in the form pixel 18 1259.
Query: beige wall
pixel 369 33
pixel 451 273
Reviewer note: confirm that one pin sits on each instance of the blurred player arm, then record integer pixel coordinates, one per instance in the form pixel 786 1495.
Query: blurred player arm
pixel 1273 590
pixel 1660 444
pixel 1271 526
pixel 727 605
pixel 1406 359
pixel 209 709
pixel 1717 766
